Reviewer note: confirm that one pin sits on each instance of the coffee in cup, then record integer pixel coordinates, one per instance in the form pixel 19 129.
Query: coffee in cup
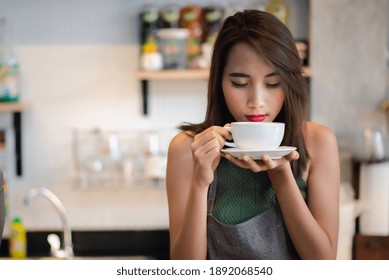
pixel 256 136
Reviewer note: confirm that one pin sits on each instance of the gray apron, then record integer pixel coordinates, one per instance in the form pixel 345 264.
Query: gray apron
pixel 263 237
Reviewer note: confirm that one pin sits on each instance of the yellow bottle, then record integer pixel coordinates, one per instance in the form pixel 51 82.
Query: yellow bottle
pixel 279 9
pixel 18 240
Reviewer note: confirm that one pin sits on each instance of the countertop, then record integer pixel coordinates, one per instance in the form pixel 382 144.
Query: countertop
pixel 132 208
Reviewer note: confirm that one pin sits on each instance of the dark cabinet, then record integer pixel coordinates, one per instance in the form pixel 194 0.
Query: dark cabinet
pixel 367 247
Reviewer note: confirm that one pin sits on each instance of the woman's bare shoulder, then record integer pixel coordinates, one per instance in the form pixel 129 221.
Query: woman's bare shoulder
pixel 180 145
pixel 182 140
pixel 319 138
pixel 315 131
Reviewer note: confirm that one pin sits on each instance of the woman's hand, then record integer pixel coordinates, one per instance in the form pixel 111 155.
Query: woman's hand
pixel 206 153
pixel 266 163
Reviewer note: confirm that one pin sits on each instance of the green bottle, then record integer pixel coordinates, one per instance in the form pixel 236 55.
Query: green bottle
pixel 18 240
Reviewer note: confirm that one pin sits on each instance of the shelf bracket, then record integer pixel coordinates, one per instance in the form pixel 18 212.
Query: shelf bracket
pixel 145 96
pixel 17 123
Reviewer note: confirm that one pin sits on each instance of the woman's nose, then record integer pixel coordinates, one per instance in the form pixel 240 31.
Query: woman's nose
pixel 257 98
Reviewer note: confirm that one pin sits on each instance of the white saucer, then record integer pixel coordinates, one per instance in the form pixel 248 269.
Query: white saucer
pixel 273 154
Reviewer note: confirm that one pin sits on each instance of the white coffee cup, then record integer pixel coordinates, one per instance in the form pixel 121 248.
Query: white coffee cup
pixel 256 136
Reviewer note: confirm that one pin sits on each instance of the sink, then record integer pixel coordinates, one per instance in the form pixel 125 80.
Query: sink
pixel 103 244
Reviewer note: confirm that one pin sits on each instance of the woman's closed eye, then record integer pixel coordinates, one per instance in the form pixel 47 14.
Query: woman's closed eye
pixel 273 85
pixel 273 80
pixel 239 84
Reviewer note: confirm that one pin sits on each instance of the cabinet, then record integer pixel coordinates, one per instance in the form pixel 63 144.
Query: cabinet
pixel 16 110
pixel 367 247
pixel 199 74
pixel 371 247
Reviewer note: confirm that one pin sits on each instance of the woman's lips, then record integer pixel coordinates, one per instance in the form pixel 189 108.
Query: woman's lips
pixel 256 118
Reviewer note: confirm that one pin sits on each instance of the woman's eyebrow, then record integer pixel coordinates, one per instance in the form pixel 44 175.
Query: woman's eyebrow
pixel 243 75
pixel 239 75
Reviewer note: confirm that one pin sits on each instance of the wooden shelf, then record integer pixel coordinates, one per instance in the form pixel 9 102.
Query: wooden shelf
pixel 12 107
pixel 173 74
pixel 186 74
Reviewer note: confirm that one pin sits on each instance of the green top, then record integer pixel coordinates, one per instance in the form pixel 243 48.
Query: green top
pixel 242 194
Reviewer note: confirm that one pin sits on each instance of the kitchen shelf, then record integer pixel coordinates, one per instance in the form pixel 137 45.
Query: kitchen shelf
pixel 173 74
pixel 145 76
pixel 16 108
pixel 195 74
pixel 12 107
pixel 186 74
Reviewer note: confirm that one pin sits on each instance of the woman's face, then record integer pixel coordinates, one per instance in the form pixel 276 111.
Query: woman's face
pixel 252 89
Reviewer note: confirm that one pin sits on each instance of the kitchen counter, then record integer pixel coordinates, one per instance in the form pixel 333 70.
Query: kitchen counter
pixel 131 221
pixel 132 208
pixel 150 244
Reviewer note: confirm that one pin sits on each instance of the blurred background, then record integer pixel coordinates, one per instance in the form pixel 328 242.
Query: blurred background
pixel 91 94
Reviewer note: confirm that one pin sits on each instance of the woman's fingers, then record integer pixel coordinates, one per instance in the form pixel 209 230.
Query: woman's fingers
pixel 292 156
pixel 203 150
pixel 207 145
pixel 214 132
pixel 246 162
pixel 266 163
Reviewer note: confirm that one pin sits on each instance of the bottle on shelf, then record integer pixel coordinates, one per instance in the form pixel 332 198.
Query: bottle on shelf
pixel 212 18
pixel 9 69
pixel 151 58
pixel 148 19
pixel 279 9
pixel 173 46
pixel 169 16
pixel 18 240
pixel 191 19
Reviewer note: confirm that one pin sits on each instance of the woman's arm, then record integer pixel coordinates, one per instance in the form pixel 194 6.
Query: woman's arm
pixel 190 170
pixel 313 227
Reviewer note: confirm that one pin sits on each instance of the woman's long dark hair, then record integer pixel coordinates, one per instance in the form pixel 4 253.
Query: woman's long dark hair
pixel 272 40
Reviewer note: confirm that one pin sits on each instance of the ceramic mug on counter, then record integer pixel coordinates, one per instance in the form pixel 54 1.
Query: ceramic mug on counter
pixel 256 136
pixel 374 144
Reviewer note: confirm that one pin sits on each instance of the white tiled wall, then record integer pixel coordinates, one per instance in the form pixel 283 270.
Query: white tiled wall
pixel 83 87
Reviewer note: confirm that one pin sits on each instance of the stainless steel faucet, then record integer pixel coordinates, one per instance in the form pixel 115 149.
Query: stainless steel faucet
pixel 67 251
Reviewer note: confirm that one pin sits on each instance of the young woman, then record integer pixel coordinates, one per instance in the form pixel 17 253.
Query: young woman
pixel 221 207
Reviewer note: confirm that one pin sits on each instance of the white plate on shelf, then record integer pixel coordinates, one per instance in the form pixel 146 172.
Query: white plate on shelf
pixel 273 154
